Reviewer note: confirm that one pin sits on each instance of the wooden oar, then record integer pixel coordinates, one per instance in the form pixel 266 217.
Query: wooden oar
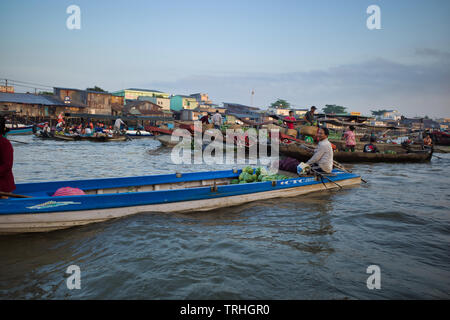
pixel 12 195
pixel 322 176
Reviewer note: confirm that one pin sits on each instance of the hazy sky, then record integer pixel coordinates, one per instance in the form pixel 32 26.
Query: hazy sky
pixel 307 52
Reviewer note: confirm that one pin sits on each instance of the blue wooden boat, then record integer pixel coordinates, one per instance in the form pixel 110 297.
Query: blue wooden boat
pixel 20 130
pixel 118 197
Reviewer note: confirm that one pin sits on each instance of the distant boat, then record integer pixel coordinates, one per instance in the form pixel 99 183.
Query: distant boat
pixel 67 137
pixel 295 151
pixel 20 129
pixel 118 197
pixel 441 138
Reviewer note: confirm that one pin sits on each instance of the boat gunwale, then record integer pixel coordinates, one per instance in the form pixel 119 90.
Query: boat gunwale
pixel 137 198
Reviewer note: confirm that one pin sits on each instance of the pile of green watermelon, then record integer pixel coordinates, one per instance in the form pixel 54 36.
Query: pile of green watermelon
pixel 259 174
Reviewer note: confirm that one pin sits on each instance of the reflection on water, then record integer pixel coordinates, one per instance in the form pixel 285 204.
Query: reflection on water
pixel 314 246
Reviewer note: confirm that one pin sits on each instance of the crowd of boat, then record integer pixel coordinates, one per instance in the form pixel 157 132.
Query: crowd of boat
pixel 46 206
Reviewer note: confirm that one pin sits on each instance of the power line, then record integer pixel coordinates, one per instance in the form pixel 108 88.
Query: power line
pixel 25 82
pixel 24 86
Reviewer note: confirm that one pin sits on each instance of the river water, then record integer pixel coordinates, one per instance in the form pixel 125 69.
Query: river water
pixel 316 246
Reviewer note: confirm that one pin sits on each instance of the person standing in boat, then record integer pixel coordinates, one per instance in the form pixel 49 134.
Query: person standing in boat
pixel 118 124
pixel 6 161
pixel 290 120
pixel 350 139
pixel 322 160
pixel 217 120
pixel 205 119
pixel 310 118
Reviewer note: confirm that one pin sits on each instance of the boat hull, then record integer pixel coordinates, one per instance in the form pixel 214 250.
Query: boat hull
pixel 300 154
pixel 42 214
pixel 21 130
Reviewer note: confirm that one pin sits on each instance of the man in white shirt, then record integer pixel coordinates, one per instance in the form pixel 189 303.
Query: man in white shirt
pixel 118 124
pixel 217 120
pixel 323 156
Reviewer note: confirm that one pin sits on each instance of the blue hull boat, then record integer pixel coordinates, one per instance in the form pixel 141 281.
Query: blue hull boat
pixel 21 130
pixel 118 197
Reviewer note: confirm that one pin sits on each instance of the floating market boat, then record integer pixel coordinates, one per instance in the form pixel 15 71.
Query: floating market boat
pixel 68 137
pixel 399 148
pixel 441 138
pixel 118 197
pixel 295 151
pixel 20 129
pixel 157 131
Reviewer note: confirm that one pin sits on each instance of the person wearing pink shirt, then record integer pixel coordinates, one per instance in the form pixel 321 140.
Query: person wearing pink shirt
pixel 350 139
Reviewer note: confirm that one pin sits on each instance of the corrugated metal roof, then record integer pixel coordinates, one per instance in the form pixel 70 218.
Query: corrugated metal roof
pixel 136 89
pixel 80 90
pixel 28 98
pixel 245 115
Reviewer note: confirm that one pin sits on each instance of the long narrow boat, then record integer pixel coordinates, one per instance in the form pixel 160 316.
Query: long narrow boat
pixel 118 197
pixel 295 151
pixel 65 137
pixel 340 144
pixel 441 138
pixel 22 129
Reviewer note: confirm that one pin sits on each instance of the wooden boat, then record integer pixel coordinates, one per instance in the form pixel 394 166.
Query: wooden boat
pixel 295 151
pixel 340 145
pixel 441 138
pixel 106 138
pixel 118 197
pixel 66 137
pixel 157 131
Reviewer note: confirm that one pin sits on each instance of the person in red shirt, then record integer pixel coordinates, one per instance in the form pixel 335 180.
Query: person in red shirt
pixel 6 161
pixel 205 119
pixel 291 120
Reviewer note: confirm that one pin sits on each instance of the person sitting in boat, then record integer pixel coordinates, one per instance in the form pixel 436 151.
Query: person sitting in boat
pixel 370 147
pixel 350 139
pixel 46 131
pixel 67 129
pixel 98 128
pixel 6 161
pixel 322 160
pixel 427 141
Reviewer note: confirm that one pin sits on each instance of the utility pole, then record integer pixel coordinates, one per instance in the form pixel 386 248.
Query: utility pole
pixel 251 100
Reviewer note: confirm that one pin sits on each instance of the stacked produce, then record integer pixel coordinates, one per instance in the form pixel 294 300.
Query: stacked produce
pixel 259 174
